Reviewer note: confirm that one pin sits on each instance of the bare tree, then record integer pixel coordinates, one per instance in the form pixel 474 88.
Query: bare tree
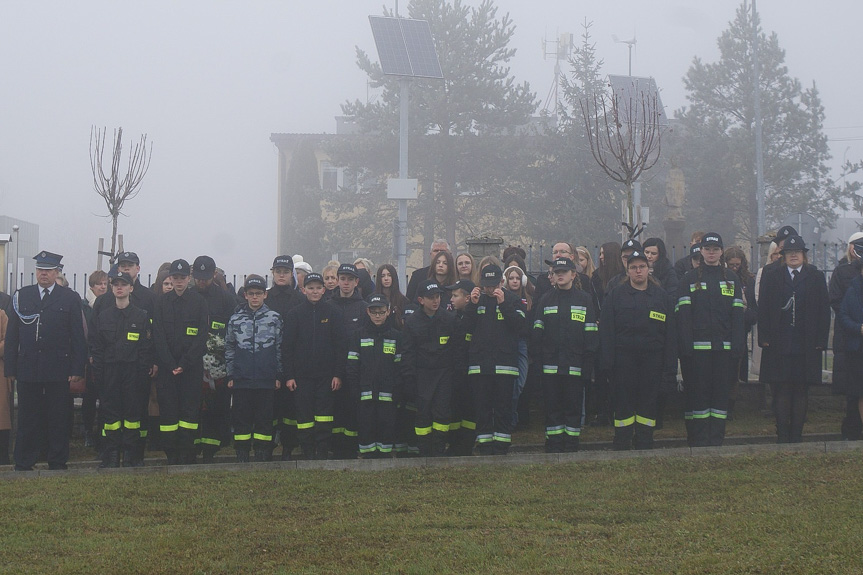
pixel 115 187
pixel 624 132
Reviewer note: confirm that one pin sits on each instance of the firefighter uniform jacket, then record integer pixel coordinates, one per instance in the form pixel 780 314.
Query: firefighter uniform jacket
pixel 565 334
pixel 121 336
pixel 180 330
pixel 353 310
pixel 427 341
pixel 253 348
pixel 220 307
pixel 374 368
pixel 314 343
pixel 638 320
pixel 710 312
pixel 495 329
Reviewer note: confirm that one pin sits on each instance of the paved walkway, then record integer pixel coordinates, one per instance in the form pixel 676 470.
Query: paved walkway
pixel 813 444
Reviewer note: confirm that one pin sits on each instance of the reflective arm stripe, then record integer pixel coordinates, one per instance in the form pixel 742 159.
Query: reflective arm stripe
pixel 591 327
pixel 505 370
pixel 539 324
pixel 353 355
pixel 624 422
pixel 645 421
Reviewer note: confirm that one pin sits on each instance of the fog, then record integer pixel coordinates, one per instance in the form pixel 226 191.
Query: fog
pixel 210 81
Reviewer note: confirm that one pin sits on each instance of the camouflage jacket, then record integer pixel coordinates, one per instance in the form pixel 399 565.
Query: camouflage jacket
pixel 252 348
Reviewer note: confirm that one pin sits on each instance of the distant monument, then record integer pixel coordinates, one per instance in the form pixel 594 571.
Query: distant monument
pixel 674 222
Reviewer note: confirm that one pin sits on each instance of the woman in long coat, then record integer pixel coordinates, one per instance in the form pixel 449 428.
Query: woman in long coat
pixel 793 326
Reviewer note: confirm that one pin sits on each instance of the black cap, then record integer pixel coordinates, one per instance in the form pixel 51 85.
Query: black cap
pixel 377 300
pixel 348 270
pixel 695 250
pixel 794 243
pixel 130 257
pixel 48 261
pixel 115 274
pixel 490 275
pixel 784 232
pixel 466 285
pixel 561 264
pixel 254 281
pixel 429 287
pixel 314 277
pixel 204 268
pixel 180 268
pixel 636 256
pixel 711 239
pixel 634 245
pixel 283 262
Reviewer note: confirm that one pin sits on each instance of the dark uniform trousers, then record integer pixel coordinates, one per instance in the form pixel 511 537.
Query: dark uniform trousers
pixel 314 401
pixel 637 378
pixel 215 416
pixel 493 401
pixel 434 392
pixel 179 410
pixel 563 407
pixel 462 430
pixel 123 404
pixel 707 396
pixel 345 434
pixel 376 422
pixel 43 413
pixel 285 420
pixel 406 414
pixel 252 416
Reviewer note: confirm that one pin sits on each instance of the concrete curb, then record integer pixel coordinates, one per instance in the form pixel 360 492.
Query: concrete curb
pixel 157 467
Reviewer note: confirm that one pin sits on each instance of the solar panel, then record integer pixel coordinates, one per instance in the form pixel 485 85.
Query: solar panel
pixel 630 89
pixel 405 47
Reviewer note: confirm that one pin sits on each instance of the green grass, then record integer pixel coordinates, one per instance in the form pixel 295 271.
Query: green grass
pixel 792 513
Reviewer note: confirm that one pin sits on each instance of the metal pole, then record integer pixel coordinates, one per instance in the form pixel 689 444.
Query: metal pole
pixel 402 224
pixel 15 285
pixel 759 156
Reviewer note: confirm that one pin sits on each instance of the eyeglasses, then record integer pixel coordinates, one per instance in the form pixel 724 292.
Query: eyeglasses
pixel 638 268
pixel 378 313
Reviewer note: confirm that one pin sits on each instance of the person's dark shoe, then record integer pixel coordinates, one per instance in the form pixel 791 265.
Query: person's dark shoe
pixel 208 456
pixel 242 456
pixel 111 460
pixel 22 468
pixel 57 467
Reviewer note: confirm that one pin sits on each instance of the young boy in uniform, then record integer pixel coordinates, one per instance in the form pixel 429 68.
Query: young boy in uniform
pixel 374 377
pixel 428 360
pixel 254 365
pixel 122 350
pixel 314 350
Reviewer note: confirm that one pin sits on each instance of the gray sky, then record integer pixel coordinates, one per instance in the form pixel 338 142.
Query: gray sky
pixel 209 81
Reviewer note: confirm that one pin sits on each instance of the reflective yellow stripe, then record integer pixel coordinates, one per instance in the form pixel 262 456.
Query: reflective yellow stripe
pixel 308 425
pixel 323 418
pixel 645 421
pixel 423 430
pixel 624 422
pixel 112 426
pixel 211 441
pixel 440 426
pixel 262 437
pixel 167 428
pixel 351 433
pixel 242 437
pixel 468 424
pixel 188 425
pixel 131 424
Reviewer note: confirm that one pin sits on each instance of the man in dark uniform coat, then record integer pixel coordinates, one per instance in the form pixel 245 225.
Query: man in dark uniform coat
pixel 46 350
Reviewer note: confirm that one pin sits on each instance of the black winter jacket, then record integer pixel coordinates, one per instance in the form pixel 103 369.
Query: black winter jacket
pixel 314 342
pixel 121 336
pixel 180 330
pixel 374 369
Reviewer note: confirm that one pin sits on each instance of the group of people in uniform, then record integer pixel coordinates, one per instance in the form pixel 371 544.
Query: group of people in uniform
pixel 346 371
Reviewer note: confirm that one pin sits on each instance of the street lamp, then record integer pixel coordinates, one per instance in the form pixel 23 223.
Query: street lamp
pixel 15 229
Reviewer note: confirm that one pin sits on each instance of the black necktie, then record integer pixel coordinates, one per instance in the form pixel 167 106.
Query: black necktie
pixel 795 274
pixel 44 293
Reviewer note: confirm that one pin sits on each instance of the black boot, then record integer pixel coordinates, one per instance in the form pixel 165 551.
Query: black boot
pixel 110 460
pixel 242 455
pixel 4 447
pixel 260 455
pixel 208 455
pixel 131 458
